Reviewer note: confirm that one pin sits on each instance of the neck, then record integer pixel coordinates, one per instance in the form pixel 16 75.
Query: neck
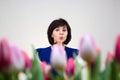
pixel 60 44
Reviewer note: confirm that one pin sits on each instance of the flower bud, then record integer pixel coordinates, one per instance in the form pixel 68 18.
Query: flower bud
pixel 5 54
pixel 58 57
pixel 45 67
pixel 27 60
pixel 87 49
pixel 70 67
pixel 17 59
pixel 46 70
pixel 117 49
pixel 110 57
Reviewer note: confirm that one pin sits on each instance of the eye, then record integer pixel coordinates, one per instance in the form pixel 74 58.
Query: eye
pixel 64 30
pixel 57 29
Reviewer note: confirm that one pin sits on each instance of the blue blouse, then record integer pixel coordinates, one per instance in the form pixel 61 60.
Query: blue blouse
pixel 45 53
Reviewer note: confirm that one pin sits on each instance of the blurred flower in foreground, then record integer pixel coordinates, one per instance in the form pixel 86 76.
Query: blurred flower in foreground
pixel 81 61
pixel 110 57
pixel 46 70
pixel 110 71
pixel 28 62
pixel 87 49
pixel 12 58
pixel 117 48
pixel 70 67
pixel 58 57
pixel 98 50
pixel 17 59
pixel 5 54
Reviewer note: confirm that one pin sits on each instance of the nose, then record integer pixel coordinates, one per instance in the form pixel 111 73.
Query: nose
pixel 61 32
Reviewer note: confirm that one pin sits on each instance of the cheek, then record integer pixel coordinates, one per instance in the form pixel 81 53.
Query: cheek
pixel 66 34
pixel 65 37
pixel 55 37
pixel 53 34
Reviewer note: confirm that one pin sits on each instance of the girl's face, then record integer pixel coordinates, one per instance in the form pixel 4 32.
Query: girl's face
pixel 59 34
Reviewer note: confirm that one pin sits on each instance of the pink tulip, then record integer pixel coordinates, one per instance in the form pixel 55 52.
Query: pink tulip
pixel 110 57
pixel 87 49
pixel 98 50
pixel 17 59
pixel 5 54
pixel 117 49
pixel 46 69
pixel 70 67
pixel 11 57
pixel 28 62
pixel 58 57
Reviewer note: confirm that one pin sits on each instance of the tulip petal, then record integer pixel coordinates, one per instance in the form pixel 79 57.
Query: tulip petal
pixel 87 48
pixel 58 56
pixel 17 58
pixel 5 53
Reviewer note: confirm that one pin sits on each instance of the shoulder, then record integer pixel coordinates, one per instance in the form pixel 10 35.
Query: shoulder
pixel 69 48
pixel 40 50
pixel 73 50
pixel 43 51
pixel 44 54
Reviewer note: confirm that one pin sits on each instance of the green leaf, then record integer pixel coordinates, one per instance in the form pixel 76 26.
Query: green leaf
pixel 96 69
pixel 115 72
pixel 36 71
pixel 2 76
pixel 59 75
pixel 106 74
pixel 77 75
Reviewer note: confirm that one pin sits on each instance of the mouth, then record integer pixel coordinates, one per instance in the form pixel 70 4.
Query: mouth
pixel 61 38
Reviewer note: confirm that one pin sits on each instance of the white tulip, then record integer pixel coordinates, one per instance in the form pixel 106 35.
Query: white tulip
pixel 17 59
pixel 58 57
pixel 87 48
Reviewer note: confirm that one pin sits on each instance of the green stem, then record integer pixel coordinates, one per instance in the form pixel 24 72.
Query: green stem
pixel 118 71
pixel 89 73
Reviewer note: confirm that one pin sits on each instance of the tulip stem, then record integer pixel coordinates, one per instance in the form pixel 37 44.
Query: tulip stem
pixel 118 71
pixel 89 72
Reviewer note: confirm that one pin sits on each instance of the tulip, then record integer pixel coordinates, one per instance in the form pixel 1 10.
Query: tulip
pixel 110 71
pixel 96 62
pixel 28 62
pixel 11 61
pixel 17 59
pixel 45 67
pixel 5 54
pixel 98 50
pixel 58 57
pixel 117 49
pixel 70 67
pixel 110 57
pixel 11 57
pixel 46 70
pixel 117 58
pixel 87 49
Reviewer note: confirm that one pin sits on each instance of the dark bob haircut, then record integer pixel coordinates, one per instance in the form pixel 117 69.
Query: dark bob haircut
pixel 56 23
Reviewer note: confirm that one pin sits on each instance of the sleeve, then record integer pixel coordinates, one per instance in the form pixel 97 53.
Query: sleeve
pixel 71 52
pixel 44 54
pixel 40 54
pixel 75 51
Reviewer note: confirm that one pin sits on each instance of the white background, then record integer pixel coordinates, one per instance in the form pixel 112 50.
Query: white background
pixel 25 22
